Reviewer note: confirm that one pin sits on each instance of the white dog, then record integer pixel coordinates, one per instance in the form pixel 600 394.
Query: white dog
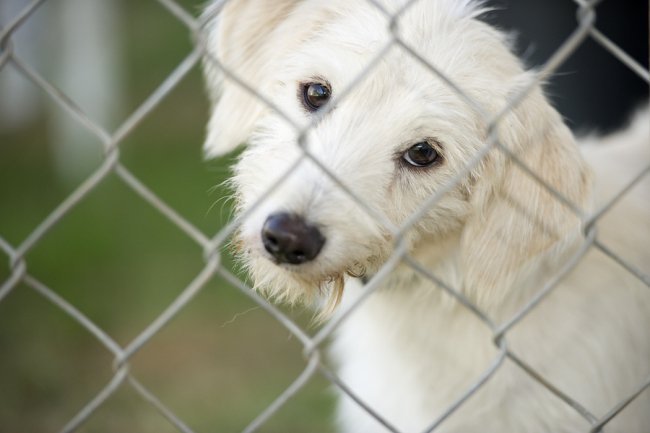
pixel 394 137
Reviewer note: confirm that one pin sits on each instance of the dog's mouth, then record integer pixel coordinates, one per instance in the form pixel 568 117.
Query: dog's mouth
pixel 302 283
pixel 314 271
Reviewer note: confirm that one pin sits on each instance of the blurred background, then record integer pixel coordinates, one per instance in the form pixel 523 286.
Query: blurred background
pixel 222 360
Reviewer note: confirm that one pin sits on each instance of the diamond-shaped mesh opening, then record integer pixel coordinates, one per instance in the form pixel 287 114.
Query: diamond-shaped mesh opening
pixel 199 367
pixel 34 335
pixel 117 268
pixel 574 84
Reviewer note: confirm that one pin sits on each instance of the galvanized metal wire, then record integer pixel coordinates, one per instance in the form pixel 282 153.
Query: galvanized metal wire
pixel 211 244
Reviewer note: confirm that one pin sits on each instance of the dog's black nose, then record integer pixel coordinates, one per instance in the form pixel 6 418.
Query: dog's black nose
pixel 290 239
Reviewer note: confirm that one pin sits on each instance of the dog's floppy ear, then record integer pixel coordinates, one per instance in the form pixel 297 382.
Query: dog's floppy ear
pixel 518 223
pixel 241 39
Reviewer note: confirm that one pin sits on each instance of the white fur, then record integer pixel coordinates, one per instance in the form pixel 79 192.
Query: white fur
pixel 410 350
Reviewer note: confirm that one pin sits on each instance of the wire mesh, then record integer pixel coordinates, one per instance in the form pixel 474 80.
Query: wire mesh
pixel 211 245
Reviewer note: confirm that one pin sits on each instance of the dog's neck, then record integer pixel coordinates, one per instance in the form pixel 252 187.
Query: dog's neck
pixel 441 258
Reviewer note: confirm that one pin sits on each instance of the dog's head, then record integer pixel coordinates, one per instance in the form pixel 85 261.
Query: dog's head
pixel 383 126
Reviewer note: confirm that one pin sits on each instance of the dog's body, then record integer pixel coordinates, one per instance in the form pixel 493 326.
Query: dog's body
pixel 399 135
pixel 589 338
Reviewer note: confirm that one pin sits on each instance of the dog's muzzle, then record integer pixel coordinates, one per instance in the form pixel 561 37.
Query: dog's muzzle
pixel 290 239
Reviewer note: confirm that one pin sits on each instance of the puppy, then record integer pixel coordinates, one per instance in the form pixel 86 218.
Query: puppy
pixel 350 133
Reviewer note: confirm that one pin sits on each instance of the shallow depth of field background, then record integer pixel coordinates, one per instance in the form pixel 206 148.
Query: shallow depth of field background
pixel 121 263
pixel 221 361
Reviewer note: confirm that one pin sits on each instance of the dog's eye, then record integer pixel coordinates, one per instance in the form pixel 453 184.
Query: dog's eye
pixel 420 155
pixel 315 95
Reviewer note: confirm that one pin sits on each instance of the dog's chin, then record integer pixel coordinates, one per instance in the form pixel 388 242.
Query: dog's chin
pixel 313 284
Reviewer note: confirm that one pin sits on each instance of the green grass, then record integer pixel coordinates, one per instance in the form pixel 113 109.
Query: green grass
pixel 121 263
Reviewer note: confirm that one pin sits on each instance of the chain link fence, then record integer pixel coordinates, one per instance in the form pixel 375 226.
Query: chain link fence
pixel 211 245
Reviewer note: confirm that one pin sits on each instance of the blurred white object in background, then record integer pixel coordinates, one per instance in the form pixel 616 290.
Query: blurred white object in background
pixel 88 69
pixel 75 45
pixel 20 102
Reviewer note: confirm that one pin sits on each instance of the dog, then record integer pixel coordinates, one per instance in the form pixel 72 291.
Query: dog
pixel 382 133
